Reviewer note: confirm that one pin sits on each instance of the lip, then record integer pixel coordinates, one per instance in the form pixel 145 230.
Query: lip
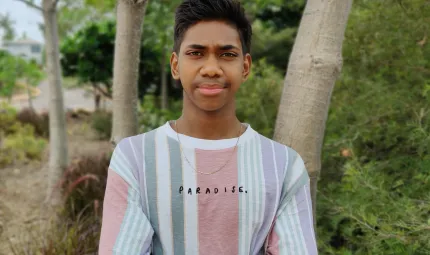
pixel 210 89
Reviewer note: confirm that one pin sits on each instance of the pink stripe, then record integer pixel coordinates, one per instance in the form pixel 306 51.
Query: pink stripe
pixel 114 207
pixel 273 240
pixel 218 213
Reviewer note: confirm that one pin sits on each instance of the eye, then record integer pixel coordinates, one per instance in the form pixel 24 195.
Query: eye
pixel 229 54
pixel 194 53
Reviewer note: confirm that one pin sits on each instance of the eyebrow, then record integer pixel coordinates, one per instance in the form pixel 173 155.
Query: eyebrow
pixel 223 47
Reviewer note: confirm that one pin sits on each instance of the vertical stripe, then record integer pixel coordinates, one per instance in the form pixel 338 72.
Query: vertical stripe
pixel 270 185
pixel 151 184
pixel 190 203
pixel 248 200
pixel 124 237
pixel 143 180
pixel 164 192
pixel 176 183
pixel 115 210
pixel 304 206
pixel 240 182
pixel 218 210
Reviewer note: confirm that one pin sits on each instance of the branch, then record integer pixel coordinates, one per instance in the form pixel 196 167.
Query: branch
pixel 54 4
pixel 27 2
pixel 106 94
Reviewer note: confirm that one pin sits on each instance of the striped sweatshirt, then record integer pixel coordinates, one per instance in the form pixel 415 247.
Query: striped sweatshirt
pixel 157 202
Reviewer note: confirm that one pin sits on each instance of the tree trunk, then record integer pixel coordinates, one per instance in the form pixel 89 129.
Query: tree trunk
pixel 130 14
pixel 58 158
pixel 30 101
pixel 315 64
pixel 164 89
pixel 97 97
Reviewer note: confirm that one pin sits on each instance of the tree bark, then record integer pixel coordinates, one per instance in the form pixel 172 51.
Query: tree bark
pixel 314 65
pixel 164 89
pixel 130 16
pixel 58 151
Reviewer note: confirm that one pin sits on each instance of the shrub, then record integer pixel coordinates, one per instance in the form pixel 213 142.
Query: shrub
pixel 8 123
pixel 83 186
pixel 79 236
pixel 151 116
pixel 39 122
pixel 101 122
pixel 21 146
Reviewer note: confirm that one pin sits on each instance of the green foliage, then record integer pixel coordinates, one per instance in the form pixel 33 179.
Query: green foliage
pixel 151 116
pixel 101 122
pixel 376 201
pixel 8 123
pixel 258 99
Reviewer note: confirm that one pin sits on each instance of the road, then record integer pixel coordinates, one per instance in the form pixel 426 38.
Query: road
pixel 76 98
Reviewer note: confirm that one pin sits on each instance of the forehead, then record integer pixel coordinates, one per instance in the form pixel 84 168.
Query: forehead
pixel 209 33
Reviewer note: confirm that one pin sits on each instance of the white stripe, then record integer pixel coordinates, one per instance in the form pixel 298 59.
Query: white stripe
pixel 190 203
pixel 164 192
pixel 124 168
pixel 138 237
pixel 250 197
pixel 242 201
pixel 144 177
pixel 277 180
pixel 256 187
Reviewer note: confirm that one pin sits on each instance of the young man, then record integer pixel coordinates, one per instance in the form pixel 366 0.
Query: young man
pixel 207 183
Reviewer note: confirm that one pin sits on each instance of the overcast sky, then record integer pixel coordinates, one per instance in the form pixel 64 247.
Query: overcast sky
pixel 26 19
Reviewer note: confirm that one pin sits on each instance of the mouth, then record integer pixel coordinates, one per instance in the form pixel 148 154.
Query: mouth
pixel 210 89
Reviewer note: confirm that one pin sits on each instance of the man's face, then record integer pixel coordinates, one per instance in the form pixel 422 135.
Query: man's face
pixel 210 64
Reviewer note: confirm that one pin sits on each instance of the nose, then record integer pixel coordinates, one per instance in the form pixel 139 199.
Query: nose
pixel 211 68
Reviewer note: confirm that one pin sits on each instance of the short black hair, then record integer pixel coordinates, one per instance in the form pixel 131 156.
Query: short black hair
pixel 190 12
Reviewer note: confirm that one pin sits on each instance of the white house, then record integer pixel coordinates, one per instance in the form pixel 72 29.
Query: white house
pixel 26 48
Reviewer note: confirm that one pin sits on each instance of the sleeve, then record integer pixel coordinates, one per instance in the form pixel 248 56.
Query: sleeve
pixel 292 231
pixel 125 228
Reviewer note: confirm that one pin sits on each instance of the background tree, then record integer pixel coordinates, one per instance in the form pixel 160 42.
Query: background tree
pixel 6 24
pixel 313 68
pixel 58 156
pixel 130 14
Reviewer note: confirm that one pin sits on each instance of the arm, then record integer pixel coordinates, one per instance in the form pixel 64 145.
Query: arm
pixel 125 228
pixel 292 230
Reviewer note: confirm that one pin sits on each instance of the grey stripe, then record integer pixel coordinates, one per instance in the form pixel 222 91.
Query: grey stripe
pixel 176 182
pixel 151 184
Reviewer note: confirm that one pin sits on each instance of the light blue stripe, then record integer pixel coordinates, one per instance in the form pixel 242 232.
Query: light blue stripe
pixel 299 228
pixel 123 229
pixel 248 199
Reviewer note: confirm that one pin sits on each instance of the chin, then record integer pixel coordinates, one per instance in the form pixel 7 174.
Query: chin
pixel 210 106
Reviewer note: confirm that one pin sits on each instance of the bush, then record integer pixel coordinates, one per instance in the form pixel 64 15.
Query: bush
pixel 21 146
pixel 39 122
pixel 83 186
pixel 79 236
pixel 151 116
pixel 8 123
pixel 101 122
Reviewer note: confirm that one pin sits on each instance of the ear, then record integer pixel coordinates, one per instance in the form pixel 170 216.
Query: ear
pixel 174 66
pixel 247 63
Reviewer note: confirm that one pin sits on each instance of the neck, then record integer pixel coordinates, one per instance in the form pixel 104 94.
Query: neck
pixel 222 124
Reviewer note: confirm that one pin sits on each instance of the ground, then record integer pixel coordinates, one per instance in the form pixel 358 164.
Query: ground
pixel 23 186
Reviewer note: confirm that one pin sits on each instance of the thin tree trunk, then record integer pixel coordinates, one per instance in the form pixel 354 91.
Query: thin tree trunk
pixel 130 15
pixel 58 158
pixel 315 64
pixel 30 101
pixel 164 89
pixel 97 97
